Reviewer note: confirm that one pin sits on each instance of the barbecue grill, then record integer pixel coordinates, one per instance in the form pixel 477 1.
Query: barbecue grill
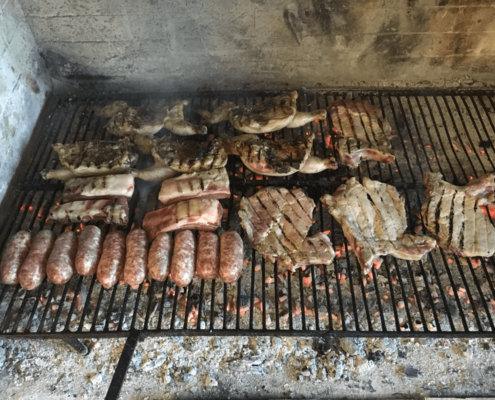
pixel 442 296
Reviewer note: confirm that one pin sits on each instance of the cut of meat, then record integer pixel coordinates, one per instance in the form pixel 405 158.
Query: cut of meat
pixel 277 222
pixel 111 211
pixel 97 157
pixel 373 218
pixel 200 214
pixel 365 134
pixel 452 214
pixel 101 187
pixel 212 184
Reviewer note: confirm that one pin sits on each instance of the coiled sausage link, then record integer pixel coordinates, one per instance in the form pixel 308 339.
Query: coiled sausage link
pixel 60 266
pixel 33 269
pixel 159 257
pixel 182 267
pixel 88 250
pixel 207 260
pixel 231 256
pixel 136 257
pixel 14 255
pixel 112 259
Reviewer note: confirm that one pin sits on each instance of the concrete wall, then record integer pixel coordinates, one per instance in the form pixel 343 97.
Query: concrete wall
pixel 24 83
pixel 263 43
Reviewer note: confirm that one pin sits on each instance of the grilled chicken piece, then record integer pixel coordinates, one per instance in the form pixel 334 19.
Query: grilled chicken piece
pixel 212 184
pixel 272 115
pixel 189 156
pixel 62 174
pixel 278 158
pixel 100 187
pixel 373 218
pixel 200 214
pixel 452 214
pixel 365 134
pixel 126 120
pixel 156 173
pixel 97 157
pixel 277 222
pixel 111 211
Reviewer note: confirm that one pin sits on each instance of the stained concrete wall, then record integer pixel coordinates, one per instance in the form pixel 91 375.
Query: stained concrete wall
pixel 263 43
pixel 24 84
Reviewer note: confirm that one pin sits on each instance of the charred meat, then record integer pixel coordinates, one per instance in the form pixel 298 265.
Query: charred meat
pixel 364 133
pixel 110 211
pixel 100 187
pixel 277 222
pixel 452 214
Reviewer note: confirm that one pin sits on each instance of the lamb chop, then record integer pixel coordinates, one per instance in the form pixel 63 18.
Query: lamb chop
pixel 126 120
pixel 97 157
pixel 278 158
pixel 111 211
pixel 100 187
pixel 200 214
pixel 277 222
pixel 272 115
pixel 452 214
pixel 365 134
pixel 189 156
pixel 212 184
pixel 373 218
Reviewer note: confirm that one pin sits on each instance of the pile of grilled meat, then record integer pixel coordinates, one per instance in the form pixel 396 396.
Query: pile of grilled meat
pixel 185 232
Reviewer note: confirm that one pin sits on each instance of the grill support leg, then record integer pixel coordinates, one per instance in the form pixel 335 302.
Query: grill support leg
pixel 77 345
pixel 122 366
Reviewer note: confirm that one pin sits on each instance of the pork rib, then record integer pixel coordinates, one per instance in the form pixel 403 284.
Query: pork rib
pixel 365 134
pixel 100 187
pixel 452 214
pixel 277 222
pixel 111 211
pixel 373 218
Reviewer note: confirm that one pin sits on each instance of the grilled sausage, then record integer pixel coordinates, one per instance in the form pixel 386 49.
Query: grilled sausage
pixel 112 259
pixel 14 255
pixel 88 250
pixel 33 269
pixel 136 257
pixel 159 257
pixel 60 266
pixel 207 260
pixel 231 256
pixel 182 267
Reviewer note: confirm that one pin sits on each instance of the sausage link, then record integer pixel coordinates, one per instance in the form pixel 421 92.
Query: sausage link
pixel 14 255
pixel 112 259
pixel 33 269
pixel 182 267
pixel 159 257
pixel 136 257
pixel 88 250
pixel 207 260
pixel 60 267
pixel 231 256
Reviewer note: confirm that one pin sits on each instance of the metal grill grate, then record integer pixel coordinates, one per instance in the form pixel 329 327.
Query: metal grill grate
pixel 441 296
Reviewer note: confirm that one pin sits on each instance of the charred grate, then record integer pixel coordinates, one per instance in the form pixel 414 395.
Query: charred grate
pixel 442 296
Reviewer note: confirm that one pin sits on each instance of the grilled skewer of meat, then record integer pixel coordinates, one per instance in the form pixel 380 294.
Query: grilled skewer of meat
pixel 277 222
pixel 278 158
pixel 272 115
pixel 364 133
pixel 111 211
pixel 373 218
pixel 100 187
pixel 452 214
pixel 125 120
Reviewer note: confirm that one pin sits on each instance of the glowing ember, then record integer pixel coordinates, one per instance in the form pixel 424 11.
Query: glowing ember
pixel 269 280
pixel 307 280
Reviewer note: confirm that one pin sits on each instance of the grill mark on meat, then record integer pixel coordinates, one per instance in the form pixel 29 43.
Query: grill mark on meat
pixel 369 137
pixel 451 219
pixel 437 213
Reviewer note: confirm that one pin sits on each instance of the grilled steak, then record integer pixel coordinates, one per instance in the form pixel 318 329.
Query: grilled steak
pixel 278 158
pixel 373 218
pixel 111 211
pixel 212 184
pixel 97 157
pixel 272 115
pixel 365 134
pixel 277 222
pixel 125 120
pixel 100 187
pixel 452 214
pixel 189 156
pixel 200 214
